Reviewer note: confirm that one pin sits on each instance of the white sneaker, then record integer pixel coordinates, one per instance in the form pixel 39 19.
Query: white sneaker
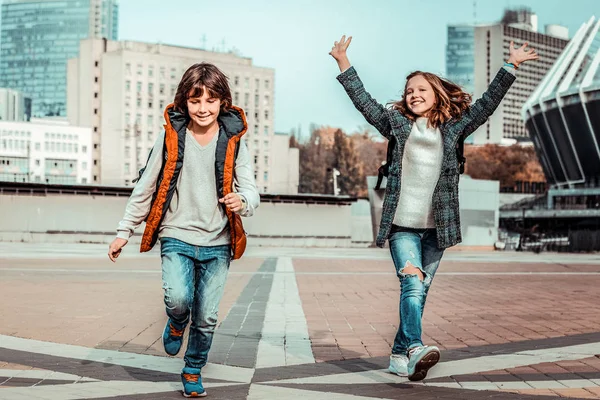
pixel 398 364
pixel 421 359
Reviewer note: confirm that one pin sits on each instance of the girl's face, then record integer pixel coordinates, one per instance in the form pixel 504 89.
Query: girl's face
pixel 204 110
pixel 420 97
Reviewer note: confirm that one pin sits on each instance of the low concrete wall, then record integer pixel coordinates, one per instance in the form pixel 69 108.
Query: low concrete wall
pixel 67 218
pixel 479 210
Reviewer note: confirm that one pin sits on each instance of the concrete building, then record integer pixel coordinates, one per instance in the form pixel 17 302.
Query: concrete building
pixel 14 106
pixel 286 176
pixel 121 89
pixel 45 152
pixel 475 52
pixel 37 38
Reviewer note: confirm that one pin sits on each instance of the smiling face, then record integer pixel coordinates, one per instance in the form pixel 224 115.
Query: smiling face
pixel 419 95
pixel 204 110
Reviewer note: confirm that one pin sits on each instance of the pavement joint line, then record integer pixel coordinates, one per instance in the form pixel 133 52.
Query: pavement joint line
pixel 142 361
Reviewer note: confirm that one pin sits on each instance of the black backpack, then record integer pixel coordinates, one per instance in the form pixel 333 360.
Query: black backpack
pixel 385 167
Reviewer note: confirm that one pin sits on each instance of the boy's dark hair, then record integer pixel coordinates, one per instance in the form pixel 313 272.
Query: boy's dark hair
pixel 196 79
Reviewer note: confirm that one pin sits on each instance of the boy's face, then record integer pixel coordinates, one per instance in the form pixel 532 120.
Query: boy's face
pixel 420 97
pixel 204 110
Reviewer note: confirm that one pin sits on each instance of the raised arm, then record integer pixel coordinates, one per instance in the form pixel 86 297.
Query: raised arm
pixel 484 107
pixel 375 113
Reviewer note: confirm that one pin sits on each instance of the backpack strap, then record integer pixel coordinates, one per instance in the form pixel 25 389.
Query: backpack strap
pixel 384 170
pixel 460 154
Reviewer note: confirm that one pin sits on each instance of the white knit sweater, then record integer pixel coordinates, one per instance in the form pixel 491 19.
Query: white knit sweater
pixel 421 167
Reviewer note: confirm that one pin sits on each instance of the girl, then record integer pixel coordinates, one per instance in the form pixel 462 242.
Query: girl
pixel 420 210
pixel 195 216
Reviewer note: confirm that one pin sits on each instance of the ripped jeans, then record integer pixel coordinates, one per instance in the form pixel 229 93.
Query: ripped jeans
pixel 416 247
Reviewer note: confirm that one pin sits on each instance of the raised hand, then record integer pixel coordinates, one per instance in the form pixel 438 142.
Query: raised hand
pixel 520 55
pixel 338 51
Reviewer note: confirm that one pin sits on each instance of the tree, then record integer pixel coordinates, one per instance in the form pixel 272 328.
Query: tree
pixel 507 164
pixel 345 160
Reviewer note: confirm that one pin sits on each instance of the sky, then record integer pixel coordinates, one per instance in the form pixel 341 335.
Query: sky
pixel 391 38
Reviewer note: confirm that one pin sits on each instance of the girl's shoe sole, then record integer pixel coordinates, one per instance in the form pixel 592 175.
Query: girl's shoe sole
pixel 424 365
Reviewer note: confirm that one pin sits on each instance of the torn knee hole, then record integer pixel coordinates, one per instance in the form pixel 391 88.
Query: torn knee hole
pixel 410 269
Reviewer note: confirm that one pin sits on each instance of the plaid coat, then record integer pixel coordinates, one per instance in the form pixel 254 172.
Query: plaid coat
pixel 395 126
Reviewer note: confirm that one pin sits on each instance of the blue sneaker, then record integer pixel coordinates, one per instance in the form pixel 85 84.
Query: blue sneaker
pixel 192 382
pixel 172 337
pixel 420 360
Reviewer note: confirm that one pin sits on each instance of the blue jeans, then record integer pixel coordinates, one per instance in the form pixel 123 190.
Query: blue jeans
pixel 194 279
pixel 419 247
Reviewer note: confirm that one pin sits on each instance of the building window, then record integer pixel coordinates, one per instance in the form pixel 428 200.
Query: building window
pixel 96 111
pixel 161 89
pixel 255 159
pixel 265 176
pixel 95 63
pixel 266 130
pixel 84 165
pixel 95 162
pixel 95 129
pixel 266 83
pixel 38 146
pixel 236 81
pixel 266 161
pixel 127 71
pixel 246 83
pixel 127 86
pixel 84 150
pixel 95 95
pixel 95 178
pixel 126 168
pixel 96 79
pixel 37 163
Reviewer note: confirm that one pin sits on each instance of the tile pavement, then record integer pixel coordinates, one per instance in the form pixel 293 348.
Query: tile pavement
pixel 533 325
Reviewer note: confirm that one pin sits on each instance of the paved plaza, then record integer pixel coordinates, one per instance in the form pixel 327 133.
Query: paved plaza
pixel 300 323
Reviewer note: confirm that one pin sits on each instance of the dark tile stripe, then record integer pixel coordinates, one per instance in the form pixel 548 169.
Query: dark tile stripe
pixel 356 365
pixel 236 339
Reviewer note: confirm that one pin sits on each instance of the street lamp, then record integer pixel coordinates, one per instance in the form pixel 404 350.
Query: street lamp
pixel 336 190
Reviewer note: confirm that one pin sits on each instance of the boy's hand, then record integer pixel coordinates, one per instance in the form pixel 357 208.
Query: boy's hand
pixel 114 249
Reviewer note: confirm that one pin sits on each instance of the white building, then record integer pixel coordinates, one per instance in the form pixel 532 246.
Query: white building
pixel 45 152
pixel 121 89
pixel 286 177
pixel 14 106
